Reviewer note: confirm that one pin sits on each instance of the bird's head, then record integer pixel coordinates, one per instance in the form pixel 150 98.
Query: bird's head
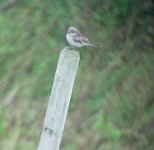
pixel 72 30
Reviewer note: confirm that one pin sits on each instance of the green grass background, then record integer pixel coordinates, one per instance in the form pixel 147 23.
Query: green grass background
pixel 112 102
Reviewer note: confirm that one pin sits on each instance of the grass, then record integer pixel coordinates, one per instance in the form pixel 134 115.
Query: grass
pixel 112 101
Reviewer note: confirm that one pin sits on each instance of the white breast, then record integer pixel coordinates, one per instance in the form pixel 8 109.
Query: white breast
pixel 72 42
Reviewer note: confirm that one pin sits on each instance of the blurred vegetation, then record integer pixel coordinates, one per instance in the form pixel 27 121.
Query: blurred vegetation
pixel 113 97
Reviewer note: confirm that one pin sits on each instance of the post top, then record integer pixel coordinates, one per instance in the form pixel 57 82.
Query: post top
pixel 69 52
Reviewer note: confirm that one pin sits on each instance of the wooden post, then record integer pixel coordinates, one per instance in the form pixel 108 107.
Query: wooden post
pixel 59 100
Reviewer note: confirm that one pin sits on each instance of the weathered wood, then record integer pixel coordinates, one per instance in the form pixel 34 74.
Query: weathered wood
pixel 59 100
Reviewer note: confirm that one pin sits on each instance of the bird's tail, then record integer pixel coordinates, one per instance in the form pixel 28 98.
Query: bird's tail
pixel 94 45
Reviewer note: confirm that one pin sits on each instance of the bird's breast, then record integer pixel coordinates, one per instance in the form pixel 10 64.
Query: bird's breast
pixel 72 42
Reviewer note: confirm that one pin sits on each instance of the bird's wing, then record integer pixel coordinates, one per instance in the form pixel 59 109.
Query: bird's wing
pixel 79 38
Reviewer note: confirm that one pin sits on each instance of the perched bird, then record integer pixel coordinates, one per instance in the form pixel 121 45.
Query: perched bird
pixel 76 39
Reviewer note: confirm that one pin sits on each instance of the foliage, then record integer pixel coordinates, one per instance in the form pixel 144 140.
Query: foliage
pixel 112 102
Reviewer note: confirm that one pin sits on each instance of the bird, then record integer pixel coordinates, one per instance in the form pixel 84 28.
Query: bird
pixel 77 40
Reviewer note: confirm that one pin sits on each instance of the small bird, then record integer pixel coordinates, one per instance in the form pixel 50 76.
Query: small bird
pixel 76 39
